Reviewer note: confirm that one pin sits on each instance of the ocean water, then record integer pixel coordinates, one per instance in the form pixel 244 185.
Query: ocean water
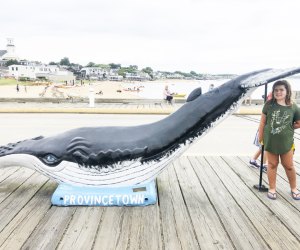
pixel 154 90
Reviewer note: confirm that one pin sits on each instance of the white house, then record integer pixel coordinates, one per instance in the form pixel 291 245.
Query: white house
pixel 137 76
pixel 41 71
pixel 95 72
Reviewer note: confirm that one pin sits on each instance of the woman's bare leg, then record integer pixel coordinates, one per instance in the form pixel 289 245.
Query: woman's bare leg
pixel 287 163
pixel 273 161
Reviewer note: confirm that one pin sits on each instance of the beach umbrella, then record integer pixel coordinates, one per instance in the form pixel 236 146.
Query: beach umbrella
pixel 260 187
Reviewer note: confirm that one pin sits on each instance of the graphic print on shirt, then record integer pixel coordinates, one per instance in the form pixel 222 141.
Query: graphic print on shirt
pixel 279 123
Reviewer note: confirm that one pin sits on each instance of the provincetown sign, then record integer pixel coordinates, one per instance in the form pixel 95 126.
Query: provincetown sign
pixel 68 195
pixel 104 200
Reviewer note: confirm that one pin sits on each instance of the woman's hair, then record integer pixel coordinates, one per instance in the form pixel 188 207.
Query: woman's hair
pixel 285 83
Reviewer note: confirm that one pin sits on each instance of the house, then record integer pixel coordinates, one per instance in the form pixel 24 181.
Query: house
pixel 94 73
pixel 137 76
pixel 34 71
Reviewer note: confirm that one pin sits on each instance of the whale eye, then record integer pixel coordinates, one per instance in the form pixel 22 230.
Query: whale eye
pixel 50 159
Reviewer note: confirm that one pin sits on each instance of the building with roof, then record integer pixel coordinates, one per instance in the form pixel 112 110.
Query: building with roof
pixel 35 71
pixel 9 53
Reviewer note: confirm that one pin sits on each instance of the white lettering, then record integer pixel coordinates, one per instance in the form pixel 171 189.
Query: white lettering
pixel 125 199
pixel 105 202
pixel 111 200
pixel 133 199
pixel 118 196
pixel 92 200
pixel 86 199
pixel 72 200
pixel 141 199
pixel 98 200
pixel 80 199
pixel 66 199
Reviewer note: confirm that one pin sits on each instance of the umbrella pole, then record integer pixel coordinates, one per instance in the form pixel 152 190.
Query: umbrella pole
pixel 260 187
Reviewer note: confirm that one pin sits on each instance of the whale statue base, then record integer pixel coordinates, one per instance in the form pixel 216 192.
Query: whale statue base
pixel 139 195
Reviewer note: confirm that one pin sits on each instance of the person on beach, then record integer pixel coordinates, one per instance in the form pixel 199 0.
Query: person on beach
pixel 253 162
pixel 167 94
pixel 279 118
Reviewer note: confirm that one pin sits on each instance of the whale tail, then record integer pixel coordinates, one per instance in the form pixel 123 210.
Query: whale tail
pixel 266 76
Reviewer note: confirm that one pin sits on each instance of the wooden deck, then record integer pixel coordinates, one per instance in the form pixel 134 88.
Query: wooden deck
pixel 204 203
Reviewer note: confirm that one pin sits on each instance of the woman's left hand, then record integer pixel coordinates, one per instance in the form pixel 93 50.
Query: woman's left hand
pixel 296 124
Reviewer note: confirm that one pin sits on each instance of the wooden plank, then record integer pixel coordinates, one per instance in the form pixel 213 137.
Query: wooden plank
pixel 209 229
pixel 297 166
pixel 13 204
pixel 50 229
pixel 282 186
pixel 129 228
pixel 239 228
pixel 276 221
pixel 82 229
pixel 145 230
pixel 170 236
pixel 13 181
pixel 177 227
pixel 22 225
pixel 114 229
pixel 6 172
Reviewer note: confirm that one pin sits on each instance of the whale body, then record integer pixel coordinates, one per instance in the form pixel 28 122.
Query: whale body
pixel 131 155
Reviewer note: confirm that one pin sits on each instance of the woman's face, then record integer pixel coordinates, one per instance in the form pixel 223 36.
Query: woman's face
pixel 280 93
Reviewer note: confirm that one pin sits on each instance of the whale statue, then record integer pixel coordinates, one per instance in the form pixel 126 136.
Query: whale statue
pixel 132 155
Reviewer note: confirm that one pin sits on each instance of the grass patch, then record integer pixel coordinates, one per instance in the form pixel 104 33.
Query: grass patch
pixel 12 81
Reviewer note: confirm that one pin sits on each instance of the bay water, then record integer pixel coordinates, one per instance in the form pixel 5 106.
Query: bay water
pixel 154 90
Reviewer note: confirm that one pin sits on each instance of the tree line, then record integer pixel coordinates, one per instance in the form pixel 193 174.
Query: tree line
pixel 121 70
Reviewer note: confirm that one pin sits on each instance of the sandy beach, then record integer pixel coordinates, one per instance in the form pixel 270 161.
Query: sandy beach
pixel 108 89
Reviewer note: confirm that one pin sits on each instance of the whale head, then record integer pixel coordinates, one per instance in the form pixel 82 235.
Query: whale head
pixel 36 153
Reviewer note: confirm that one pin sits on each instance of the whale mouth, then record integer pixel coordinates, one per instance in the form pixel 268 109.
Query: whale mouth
pixel 28 161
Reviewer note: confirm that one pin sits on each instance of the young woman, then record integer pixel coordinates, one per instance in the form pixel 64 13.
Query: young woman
pixel 280 116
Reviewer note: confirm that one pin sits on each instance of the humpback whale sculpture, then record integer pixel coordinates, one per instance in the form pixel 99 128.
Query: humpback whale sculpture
pixel 122 156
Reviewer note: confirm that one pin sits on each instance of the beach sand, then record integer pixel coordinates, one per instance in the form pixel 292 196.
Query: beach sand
pixel 108 88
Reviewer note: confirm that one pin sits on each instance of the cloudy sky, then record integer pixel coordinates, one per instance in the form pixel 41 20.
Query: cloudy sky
pixel 207 36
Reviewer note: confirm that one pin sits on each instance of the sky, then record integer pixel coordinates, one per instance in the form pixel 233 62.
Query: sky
pixel 206 36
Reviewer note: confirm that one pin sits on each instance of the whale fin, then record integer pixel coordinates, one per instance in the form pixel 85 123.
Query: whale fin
pixel 194 94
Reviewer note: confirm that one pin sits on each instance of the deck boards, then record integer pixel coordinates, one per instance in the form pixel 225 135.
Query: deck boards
pixel 204 203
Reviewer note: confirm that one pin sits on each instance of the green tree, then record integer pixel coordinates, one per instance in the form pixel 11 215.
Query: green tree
pixel 134 67
pixel 91 64
pixel 65 61
pixel 11 62
pixel 102 66
pixel 114 66
pixel 148 70
pixel 53 63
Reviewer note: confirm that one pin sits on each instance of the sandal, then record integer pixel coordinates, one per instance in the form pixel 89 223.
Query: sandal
pixel 295 196
pixel 272 196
